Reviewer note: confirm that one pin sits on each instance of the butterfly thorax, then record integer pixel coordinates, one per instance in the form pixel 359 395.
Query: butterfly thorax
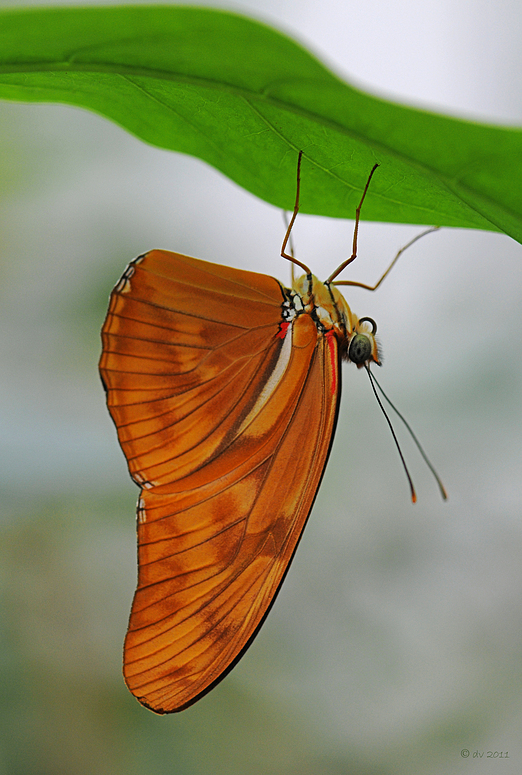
pixel 330 311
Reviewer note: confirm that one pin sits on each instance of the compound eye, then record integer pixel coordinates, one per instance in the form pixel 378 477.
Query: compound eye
pixel 360 349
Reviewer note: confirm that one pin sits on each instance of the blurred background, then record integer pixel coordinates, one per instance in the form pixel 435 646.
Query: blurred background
pixel 395 642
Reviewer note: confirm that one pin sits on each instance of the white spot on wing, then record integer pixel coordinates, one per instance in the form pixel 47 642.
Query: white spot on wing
pixel 140 479
pixel 142 514
pixel 123 285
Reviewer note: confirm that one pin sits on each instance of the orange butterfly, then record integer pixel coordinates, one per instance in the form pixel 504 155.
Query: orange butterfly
pixel 224 387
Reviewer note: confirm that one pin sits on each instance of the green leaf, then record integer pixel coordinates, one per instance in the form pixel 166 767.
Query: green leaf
pixel 245 99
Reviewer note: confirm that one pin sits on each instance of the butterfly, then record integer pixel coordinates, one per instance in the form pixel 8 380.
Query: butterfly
pixel 224 387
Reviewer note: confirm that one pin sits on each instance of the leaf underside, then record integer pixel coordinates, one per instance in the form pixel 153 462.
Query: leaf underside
pixel 245 98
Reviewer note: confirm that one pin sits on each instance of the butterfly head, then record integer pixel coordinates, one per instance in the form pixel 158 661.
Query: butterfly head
pixel 362 347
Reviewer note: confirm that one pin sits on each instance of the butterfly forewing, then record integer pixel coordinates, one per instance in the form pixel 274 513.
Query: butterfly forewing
pixel 226 415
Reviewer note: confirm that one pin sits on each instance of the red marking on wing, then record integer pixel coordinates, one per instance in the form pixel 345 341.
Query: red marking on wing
pixel 283 328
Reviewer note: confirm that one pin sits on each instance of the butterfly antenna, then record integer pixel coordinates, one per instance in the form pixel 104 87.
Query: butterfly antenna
pixel 442 489
pixel 385 413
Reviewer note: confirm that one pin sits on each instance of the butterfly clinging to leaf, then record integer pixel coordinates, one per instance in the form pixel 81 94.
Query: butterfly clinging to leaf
pixel 224 386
